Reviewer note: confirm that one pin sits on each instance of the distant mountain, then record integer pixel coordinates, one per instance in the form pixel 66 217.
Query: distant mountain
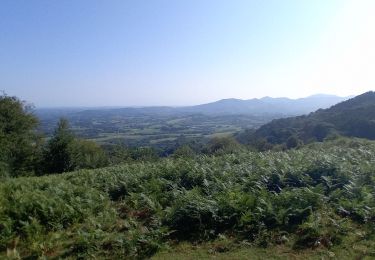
pixel 354 117
pixel 266 106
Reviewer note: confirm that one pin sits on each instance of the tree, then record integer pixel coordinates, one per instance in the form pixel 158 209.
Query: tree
pixel 19 141
pixel 58 156
pixel 117 154
pixel 86 154
pixel 144 154
pixel 293 142
pixel 184 151
pixel 222 145
pixel 65 152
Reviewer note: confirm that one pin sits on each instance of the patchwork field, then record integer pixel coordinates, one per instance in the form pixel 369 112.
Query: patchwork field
pixel 156 130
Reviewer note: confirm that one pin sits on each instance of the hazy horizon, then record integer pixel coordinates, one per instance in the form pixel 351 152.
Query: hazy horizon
pixel 162 105
pixel 178 53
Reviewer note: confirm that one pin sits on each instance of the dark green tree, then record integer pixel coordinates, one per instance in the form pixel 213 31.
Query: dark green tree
pixel 293 142
pixel 184 151
pixel 19 141
pixel 222 145
pixel 65 152
pixel 144 154
pixel 58 154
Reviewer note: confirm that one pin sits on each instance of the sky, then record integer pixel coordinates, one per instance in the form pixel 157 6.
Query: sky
pixel 166 52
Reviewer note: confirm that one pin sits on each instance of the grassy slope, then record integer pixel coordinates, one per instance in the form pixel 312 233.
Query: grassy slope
pixel 313 202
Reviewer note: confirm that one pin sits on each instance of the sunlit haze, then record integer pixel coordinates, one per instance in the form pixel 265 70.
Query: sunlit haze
pixel 140 53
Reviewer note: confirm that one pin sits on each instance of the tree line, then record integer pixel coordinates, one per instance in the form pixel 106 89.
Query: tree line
pixel 24 150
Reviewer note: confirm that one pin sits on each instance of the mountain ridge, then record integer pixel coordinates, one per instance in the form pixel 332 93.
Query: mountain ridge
pixel 281 106
pixel 354 117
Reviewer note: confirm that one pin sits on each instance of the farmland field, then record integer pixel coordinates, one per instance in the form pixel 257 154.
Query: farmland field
pixel 155 130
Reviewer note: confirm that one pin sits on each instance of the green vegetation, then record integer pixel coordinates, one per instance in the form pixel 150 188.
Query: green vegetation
pixel 58 153
pixel 314 201
pixel 19 142
pixel 23 152
pixel 222 145
pixel 65 152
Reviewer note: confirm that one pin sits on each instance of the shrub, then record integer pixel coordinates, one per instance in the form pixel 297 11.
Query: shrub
pixel 193 216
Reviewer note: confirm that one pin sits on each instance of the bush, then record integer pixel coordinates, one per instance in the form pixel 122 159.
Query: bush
pixel 87 155
pixel 193 216
pixel 184 152
pixel 222 145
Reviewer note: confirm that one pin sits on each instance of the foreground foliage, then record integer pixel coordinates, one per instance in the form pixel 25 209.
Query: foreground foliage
pixel 319 197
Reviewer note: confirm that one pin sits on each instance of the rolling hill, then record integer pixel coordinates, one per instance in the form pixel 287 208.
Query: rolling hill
pixel 267 105
pixel 354 117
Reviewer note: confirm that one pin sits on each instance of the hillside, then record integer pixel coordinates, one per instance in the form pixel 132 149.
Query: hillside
pixel 315 201
pixel 354 117
pixel 267 105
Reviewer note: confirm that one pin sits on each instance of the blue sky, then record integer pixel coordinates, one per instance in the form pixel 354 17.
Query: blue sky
pixel 164 52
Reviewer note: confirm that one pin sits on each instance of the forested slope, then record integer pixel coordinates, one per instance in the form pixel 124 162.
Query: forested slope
pixel 354 117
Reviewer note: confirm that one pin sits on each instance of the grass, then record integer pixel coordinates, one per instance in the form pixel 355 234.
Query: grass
pixel 352 248
pixel 209 251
